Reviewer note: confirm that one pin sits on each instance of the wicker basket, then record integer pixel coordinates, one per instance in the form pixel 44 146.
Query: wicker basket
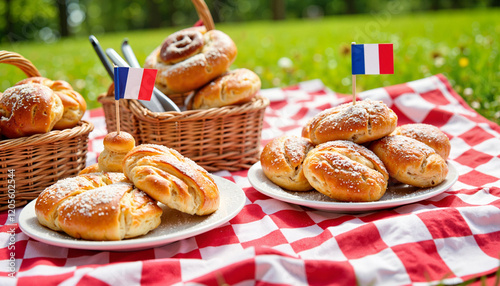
pixel 226 138
pixel 30 164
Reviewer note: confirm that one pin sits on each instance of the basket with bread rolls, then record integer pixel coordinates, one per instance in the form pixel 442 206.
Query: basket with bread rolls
pixel 221 120
pixel 354 151
pixel 42 135
pixel 118 197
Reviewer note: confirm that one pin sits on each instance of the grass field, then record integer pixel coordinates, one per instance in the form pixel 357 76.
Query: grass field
pixel 462 45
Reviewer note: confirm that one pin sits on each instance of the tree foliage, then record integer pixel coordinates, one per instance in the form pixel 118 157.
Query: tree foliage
pixel 47 20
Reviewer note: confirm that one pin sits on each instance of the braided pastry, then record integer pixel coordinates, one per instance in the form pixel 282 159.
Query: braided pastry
pixel 99 206
pixel 172 179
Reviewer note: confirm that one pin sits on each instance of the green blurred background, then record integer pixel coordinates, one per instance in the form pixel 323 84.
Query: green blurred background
pixel 284 42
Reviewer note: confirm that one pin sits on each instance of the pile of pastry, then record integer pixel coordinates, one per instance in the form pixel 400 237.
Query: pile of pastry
pixel 38 105
pixel 351 153
pixel 195 63
pixel 118 197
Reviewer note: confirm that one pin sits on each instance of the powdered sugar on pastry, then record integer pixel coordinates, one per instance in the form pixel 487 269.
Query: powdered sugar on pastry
pixel 362 122
pixel 282 160
pixel 428 134
pixel 345 171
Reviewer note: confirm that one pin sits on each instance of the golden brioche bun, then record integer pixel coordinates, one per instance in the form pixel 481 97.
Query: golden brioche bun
pixel 362 122
pixel 29 109
pixel 190 58
pixel 430 135
pixel 73 102
pixel 234 87
pixel 346 171
pixel 410 161
pixel 116 146
pixel 282 160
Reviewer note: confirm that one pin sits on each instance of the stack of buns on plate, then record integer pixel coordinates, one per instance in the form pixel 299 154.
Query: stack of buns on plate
pixel 118 197
pixel 351 153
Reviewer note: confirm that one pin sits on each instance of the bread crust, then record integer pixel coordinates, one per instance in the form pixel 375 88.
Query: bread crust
pixel 362 122
pixel 29 109
pixel 282 160
pixel 346 171
pixel 428 134
pixel 234 87
pixel 410 161
pixel 172 179
pixel 97 206
pixel 116 146
pixel 73 102
pixel 188 73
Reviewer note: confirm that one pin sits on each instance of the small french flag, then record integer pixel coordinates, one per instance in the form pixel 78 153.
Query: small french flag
pixel 372 59
pixel 134 83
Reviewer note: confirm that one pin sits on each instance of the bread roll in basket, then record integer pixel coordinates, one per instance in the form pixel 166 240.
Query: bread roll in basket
pixel 35 162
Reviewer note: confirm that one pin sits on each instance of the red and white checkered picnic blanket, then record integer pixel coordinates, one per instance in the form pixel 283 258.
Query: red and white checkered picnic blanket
pixel 450 238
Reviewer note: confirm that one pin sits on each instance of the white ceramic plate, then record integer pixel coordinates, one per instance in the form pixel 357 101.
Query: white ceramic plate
pixel 175 225
pixel 396 195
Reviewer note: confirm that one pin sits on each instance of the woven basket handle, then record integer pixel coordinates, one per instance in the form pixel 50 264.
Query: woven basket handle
pixel 204 14
pixel 19 61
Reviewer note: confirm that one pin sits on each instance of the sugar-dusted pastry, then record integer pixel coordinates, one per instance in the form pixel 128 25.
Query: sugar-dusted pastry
pixel 410 161
pixel 190 58
pixel 172 179
pixel 362 122
pixel 29 109
pixel 282 160
pixel 98 206
pixel 73 102
pixel 428 134
pixel 346 171
pixel 234 87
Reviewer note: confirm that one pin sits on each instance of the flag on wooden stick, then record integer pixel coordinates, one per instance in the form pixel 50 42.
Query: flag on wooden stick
pixel 372 59
pixel 134 83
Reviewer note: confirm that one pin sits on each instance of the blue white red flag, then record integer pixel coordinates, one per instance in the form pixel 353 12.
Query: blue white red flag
pixel 372 59
pixel 134 83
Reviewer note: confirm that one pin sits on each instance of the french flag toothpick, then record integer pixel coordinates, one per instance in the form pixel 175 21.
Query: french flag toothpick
pixel 371 59
pixel 132 83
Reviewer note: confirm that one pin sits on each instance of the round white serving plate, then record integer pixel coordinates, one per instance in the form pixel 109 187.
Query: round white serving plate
pixel 396 195
pixel 175 225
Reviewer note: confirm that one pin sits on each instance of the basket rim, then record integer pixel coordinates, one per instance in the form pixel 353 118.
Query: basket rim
pixel 257 103
pixel 83 127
